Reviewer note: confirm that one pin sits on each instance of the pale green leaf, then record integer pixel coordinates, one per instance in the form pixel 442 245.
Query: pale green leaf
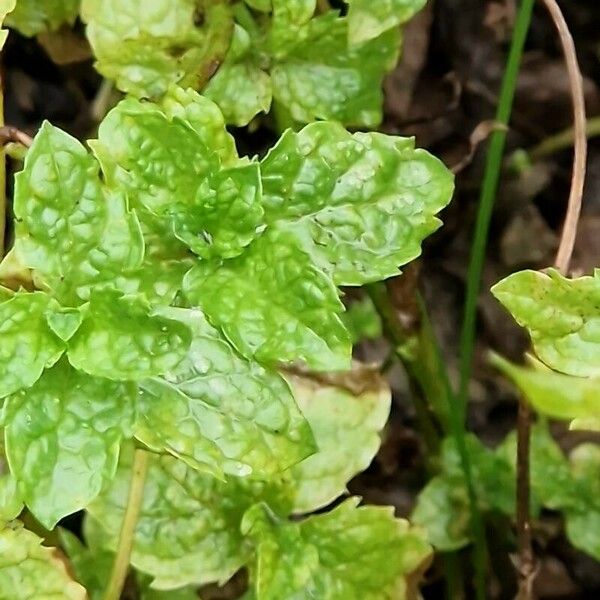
pixel 555 394
pixel 70 229
pixel 27 344
pixel 368 19
pixel 31 17
pixel 220 412
pixel 213 211
pixel 145 46
pixel 346 424
pixel 34 570
pixel 273 304
pixel 241 88
pixel 288 21
pixel 62 439
pixel 562 316
pixel 119 339
pixel 320 77
pixel 205 118
pixel 188 530
pixel 360 204
pixel 352 553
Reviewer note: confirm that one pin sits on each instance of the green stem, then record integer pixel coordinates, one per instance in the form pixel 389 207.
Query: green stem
pixel 399 339
pixel 219 19
pixel 132 512
pixel 563 140
pixel 486 204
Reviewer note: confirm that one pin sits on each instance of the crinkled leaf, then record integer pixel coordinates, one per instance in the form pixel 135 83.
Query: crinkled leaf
pixel 70 229
pixel 367 19
pixel 555 394
pixel 273 304
pixel 31 17
pixel 33 570
pixel 205 118
pixel 146 46
pixel 360 204
pixel 241 88
pixel 289 18
pixel 320 77
pixel 346 425
pixel 213 211
pixel 220 412
pixel 352 553
pixel 6 6
pixel 62 439
pixel 119 339
pixel 27 344
pixel 562 316
pixel 202 542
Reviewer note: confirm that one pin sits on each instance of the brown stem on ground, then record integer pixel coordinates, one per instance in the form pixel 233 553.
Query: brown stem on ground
pixel 526 558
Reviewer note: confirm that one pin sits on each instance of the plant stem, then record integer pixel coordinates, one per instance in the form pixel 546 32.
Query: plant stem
pixel 484 214
pixel 219 19
pixel 564 140
pixel 134 503
pixel 526 567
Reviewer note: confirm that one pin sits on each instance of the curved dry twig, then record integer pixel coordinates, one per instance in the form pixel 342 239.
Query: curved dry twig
pixel 569 233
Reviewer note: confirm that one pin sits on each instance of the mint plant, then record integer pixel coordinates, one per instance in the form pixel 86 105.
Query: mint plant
pixel 561 315
pixel 248 57
pixel 172 281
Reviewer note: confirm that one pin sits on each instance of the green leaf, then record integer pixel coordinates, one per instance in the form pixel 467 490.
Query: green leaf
pixel 442 510
pixel 221 413
pixel 31 17
pixel 561 316
pixel 346 424
pixel 63 437
pixel 362 320
pixel 11 503
pixel 92 566
pixel 241 88
pixel 32 569
pixel 145 47
pixel 360 204
pixel 368 19
pixel 320 77
pixel 273 284
pixel 6 6
pixel 555 394
pixel 27 344
pixel 202 542
pixel 213 211
pixel 120 339
pixel 204 117
pixel 352 553
pixel 70 229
